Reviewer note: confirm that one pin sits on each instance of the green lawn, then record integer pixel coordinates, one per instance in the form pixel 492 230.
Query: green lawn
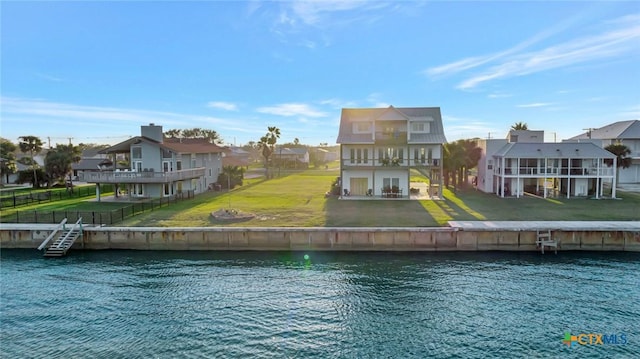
pixel 298 199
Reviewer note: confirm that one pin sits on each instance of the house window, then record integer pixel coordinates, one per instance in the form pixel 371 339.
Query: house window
pixel 168 189
pixel 178 165
pixel 391 182
pixel 166 154
pixel 359 155
pixel 390 153
pixel 352 159
pixel 136 152
pixel 490 164
pixel 420 155
pixel 419 127
pixel 366 155
pixel 138 189
pixel 362 127
pixel 167 166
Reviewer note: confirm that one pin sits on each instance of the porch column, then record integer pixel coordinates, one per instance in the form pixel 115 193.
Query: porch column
pixel 504 170
pixel 518 180
pixel 615 179
pixel 598 178
pixel 98 192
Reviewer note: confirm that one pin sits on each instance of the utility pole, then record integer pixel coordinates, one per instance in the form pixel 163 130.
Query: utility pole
pixel 589 131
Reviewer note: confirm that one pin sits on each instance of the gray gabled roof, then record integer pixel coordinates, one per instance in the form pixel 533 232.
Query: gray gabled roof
pixel 553 150
pixel 351 115
pixel 621 130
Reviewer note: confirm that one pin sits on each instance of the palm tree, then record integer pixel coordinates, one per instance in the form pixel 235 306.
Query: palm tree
pixel 472 154
pixel 520 126
pixel 33 146
pixel 58 163
pixel 623 160
pixel 7 159
pixel 231 176
pixel 196 132
pixel 268 144
pixel 454 158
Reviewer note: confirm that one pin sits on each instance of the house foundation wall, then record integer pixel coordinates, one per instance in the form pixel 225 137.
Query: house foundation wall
pixel 325 239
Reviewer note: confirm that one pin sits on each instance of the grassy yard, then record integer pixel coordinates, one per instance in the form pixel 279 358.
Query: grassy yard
pixel 298 199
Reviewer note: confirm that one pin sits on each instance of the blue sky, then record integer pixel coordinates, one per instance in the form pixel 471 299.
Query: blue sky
pixel 97 71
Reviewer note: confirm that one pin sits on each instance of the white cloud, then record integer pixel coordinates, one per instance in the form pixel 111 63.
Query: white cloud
pixel 535 104
pixel 513 62
pixel 499 95
pixel 338 104
pixel 73 113
pixel 223 105
pixel 292 109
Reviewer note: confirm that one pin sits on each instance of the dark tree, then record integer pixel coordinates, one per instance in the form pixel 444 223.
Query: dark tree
pixel 33 146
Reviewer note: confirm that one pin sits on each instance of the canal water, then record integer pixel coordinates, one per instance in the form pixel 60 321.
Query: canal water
pixel 142 304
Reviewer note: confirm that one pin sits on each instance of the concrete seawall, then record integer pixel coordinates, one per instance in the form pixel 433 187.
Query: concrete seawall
pixel 459 236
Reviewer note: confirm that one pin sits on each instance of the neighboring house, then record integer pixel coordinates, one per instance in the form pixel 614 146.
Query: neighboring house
pixel 39 158
pixel 296 157
pixel 623 132
pixel 162 167
pixel 326 154
pixel 546 169
pixel 380 146
pixel 236 156
pixel 91 160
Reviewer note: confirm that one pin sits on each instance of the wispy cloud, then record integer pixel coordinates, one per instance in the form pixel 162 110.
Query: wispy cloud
pixel 292 109
pixel 621 39
pixel 630 113
pixel 49 77
pixel 338 104
pixel 313 24
pixel 536 104
pixel 318 13
pixel 223 105
pixel 72 113
pixel 457 127
pixel 499 95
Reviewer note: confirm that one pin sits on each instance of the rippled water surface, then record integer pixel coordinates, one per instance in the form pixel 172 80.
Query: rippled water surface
pixel 380 305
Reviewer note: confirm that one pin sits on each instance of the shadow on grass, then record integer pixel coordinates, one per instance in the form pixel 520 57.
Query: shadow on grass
pixel 376 213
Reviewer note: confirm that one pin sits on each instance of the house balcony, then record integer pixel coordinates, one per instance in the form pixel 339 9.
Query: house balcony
pixel 555 172
pixel 389 163
pixel 140 177
pixel 385 138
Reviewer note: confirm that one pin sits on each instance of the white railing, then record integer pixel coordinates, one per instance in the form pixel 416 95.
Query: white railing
pixel 140 177
pixel 55 230
pixel 77 224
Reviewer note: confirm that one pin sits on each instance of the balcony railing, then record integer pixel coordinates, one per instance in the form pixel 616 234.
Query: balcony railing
pixel 556 171
pixel 390 162
pixel 140 177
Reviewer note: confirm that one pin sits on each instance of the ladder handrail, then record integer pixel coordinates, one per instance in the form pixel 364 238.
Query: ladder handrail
pixel 55 230
pixel 78 223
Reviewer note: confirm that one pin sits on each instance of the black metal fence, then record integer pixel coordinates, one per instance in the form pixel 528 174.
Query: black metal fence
pixel 13 199
pixel 95 217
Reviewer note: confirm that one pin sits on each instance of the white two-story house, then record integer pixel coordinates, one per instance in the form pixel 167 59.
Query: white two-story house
pixel 380 146
pixel 524 164
pixel 623 132
pixel 161 167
